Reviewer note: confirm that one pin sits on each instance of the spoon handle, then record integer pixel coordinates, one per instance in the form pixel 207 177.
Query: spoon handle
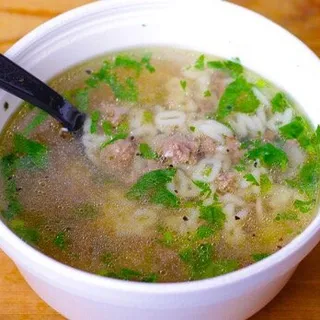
pixel 24 85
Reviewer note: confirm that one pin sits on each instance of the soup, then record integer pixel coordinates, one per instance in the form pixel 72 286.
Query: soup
pixel 188 167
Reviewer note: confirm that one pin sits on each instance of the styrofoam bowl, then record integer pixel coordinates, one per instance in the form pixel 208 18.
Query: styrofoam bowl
pixel 215 27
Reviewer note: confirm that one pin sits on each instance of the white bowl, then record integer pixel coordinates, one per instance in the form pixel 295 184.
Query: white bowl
pixel 213 27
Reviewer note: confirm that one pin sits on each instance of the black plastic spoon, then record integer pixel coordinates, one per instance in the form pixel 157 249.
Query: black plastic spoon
pixel 24 85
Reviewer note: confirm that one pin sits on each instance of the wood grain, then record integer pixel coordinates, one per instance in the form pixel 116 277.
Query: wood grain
pixel 300 299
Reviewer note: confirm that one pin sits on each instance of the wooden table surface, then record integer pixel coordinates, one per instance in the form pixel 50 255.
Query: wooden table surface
pixel 300 299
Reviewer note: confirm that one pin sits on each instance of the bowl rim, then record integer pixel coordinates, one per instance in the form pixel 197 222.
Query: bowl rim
pixel 23 249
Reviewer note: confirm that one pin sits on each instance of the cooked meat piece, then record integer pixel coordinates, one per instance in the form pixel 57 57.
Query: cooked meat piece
pixel 179 148
pixel 269 135
pixel 233 147
pixel 226 182
pixel 118 156
pixel 113 113
pixel 207 145
pixel 219 82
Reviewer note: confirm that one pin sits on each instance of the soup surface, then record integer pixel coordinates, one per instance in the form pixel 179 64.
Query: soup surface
pixel 188 167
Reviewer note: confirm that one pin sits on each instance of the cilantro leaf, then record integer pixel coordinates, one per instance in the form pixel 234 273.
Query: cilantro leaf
pixel 167 238
pixel 269 155
pixel 292 130
pixel 237 97
pixel 82 99
pixel 287 216
pixel 28 235
pixel 251 178
pixel 204 231
pixel 34 153
pixel 304 206
pixel 38 119
pixel 214 215
pixel 8 167
pixel 146 62
pixel 207 94
pixel 204 186
pixel 198 259
pixel 300 130
pixel 221 267
pixel 265 183
pixel 147 117
pixel 146 151
pixel 152 187
pixel 199 64
pixel 114 138
pixel 183 84
pixel 60 240
pixel 94 121
pixel 107 128
pixel 130 274
pixel 259 256
pixel 307 181
pixel 233 67
pixel 127 62
pixel 280 102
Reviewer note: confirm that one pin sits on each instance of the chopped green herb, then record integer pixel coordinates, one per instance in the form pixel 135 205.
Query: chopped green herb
pixel 34 153
pixel 280 102
pixel 220 267
pixel 28 235
pixel 304 206
pixel 107 128
pixel 288 215
pixel 260 256
pixel 237 97
pixel 269 156
pixel 207 171
pixel 8 167
pixel 265 183
pixel 204 231
pixel 146 151
pixel 152 186
pixel 82 99
pixel 299 129
pixel 204 186
pixel 94 121
pixel 38 119
pixel 118 136
pixel 207 94
pixel 214 215
pixel 307 180
pixel 233 67
pixel 192 128
pixel 240 168
pixel 128 63
pixel 183 84
pixel 129 274
pixel 199 259
pixel 86 210
pixel 146 61
pixel 123 127
pixel 106 259
pixel 199 64
pixel 292 130
pixel 126 91
pixel 261 83
pixel 147 117
pixel 251 178
pixel 167 238
pixel 60 240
